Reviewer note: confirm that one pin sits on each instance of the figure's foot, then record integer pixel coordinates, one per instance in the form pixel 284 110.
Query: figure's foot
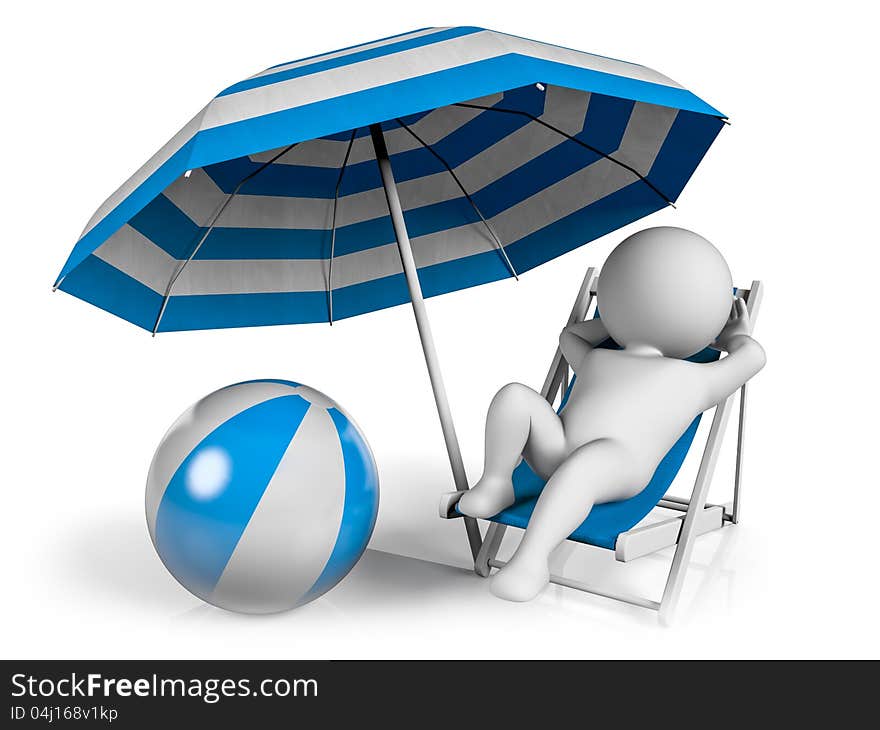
pixel 520 580
pixel 487 497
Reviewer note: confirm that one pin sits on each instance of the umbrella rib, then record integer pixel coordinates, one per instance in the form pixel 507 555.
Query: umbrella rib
pixel 569 137
pixel 333 228
pixel 466 195
pixel 207 233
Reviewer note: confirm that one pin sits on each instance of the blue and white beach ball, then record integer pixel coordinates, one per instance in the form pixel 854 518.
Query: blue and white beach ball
pixel 262 496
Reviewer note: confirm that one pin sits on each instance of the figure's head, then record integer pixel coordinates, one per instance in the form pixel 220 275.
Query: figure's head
pixel 667 288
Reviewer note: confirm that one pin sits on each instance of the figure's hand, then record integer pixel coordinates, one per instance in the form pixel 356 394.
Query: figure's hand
pixel 737 325
pixel 591 331
pixel 579 338
pixel 744 358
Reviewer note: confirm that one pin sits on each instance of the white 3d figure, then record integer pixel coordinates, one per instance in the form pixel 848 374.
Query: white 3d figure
pixel 664 294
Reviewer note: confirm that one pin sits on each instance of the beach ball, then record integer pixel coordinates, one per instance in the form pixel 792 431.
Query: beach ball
pixel 262 496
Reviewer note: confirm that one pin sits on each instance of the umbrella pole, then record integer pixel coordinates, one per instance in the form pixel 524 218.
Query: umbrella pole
pixel 424 327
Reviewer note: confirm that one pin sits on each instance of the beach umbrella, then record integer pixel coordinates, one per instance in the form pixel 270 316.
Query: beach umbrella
pixel 385 173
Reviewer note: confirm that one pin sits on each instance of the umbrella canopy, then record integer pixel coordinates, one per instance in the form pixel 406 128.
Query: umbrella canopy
pixel 414 165
pixel 268 207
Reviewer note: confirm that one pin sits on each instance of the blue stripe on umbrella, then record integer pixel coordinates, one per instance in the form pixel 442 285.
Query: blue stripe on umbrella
pixel 628 204
pixel 308 181
pixel 97 282
pixel 294 181
pixel 348 48
pixel 605 123
pixel 168 227
pixel 349 59
pixel 439 88
pixel 107 287
pixel 683 149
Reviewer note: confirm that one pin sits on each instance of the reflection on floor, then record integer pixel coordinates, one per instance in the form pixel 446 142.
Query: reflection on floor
pixel 389 606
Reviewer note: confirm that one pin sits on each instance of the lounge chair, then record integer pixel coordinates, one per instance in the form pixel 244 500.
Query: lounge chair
pixel 616 525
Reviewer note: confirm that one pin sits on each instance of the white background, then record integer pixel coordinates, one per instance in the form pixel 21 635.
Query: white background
pixel 788 192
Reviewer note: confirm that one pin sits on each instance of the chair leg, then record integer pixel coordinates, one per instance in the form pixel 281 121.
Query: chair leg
pixel 740 445
pixel 685 548
pixel 489 550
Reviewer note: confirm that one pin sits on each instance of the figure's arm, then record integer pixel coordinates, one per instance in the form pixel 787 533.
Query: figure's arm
pixel 745 357
pixel 579 338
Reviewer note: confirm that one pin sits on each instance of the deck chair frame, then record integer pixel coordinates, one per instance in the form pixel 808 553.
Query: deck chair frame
pixel 697 518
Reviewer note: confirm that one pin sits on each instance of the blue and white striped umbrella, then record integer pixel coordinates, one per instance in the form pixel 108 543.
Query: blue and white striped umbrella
pixel 507 153
pixel 361 179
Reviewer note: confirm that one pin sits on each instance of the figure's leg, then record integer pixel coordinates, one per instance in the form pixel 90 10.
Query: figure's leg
pixel 597 472
pixel 519 420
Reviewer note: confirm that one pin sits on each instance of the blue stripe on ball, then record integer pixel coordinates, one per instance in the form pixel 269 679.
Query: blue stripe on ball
pixel 204 510
pixel 359 508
